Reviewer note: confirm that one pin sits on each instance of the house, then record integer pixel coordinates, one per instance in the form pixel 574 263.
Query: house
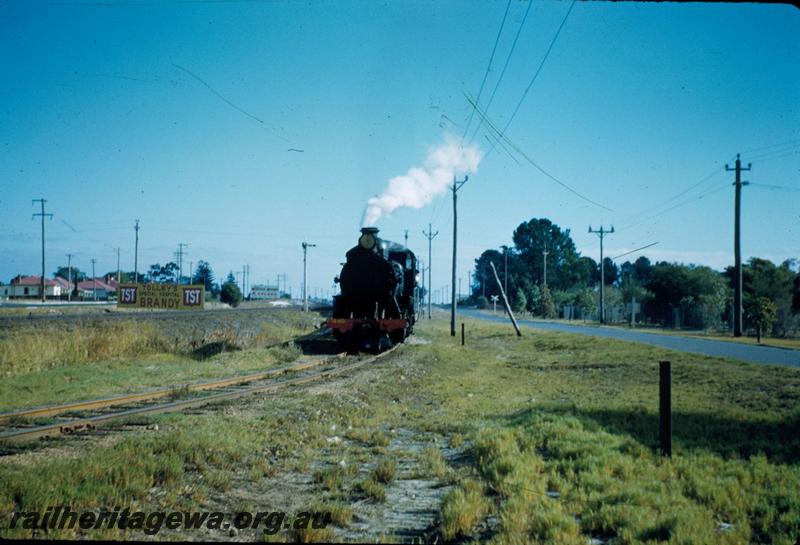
pixel 31 286
pixel 96 288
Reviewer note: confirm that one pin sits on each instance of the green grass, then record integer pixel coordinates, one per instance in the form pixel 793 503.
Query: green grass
pixel 558 435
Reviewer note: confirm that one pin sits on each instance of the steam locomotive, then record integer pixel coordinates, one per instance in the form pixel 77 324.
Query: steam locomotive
pixel 376 308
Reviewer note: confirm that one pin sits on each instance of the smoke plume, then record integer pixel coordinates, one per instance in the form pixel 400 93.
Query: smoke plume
pixel 417 187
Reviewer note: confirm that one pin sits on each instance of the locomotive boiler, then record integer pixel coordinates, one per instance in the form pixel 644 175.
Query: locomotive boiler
pixel 376 308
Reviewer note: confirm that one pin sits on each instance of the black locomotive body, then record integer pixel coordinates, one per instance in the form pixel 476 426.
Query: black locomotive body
pixel 377 304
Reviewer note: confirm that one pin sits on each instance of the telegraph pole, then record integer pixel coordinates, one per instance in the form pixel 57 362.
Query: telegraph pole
pixel 180 254
pixel 430 236
pixel 737 248
pixel 544 253
pixel 69 277
pixel 505 268
pixel 602 233
pixel 94 281
pixel 456 186
pixel 305 246
pixel 43 215
pixel 118 271
pixel 136 254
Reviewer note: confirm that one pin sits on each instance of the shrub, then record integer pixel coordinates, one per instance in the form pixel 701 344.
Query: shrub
pixel 230 294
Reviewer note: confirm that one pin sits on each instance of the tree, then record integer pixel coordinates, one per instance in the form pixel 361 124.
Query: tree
pixel 230 294
pixel 204 275
pixel 482 302
pixel 520 301
pixel 534 299
pixel 547 306
pixel 762 278
pixel 586 272
pixel 610 271
pixel 586 300
pixel 163 275
pixel 762 313
pixel 64 272
pixel 486 284
pixel 531 238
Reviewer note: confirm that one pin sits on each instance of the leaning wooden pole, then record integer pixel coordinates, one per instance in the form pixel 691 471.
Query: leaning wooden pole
pixel 505 301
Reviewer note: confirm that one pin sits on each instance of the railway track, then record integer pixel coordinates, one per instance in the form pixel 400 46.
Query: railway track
pixel 75 418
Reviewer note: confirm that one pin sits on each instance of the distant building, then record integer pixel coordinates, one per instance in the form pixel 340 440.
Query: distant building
pixel 30 287
pixel 96 288
pixel 263 292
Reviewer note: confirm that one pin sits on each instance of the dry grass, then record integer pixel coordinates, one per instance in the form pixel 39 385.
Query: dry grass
pixel 27 350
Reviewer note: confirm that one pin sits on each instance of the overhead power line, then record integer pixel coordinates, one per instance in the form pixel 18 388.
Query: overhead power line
pixel 682 203
pixel 488 68
pixel 779 144
pixel 522 154
pixel 505 66
pixel 780 187
pixel 712 174
pixel 536 74
pixel 634 251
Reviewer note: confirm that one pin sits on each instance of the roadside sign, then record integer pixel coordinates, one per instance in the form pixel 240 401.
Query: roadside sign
pixel 161 296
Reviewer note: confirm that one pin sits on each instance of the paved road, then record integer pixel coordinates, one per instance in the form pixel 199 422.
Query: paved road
pixel 722 349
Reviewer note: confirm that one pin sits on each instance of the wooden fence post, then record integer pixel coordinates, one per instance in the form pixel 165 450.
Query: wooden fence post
pixel 665 407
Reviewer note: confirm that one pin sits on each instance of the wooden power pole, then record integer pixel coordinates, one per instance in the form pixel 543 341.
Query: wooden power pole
pixel 456 186
pixel 136 254
pixel 737 248
pixel 43 215
pixel 430 236
pixel 602 233
pixel 306 246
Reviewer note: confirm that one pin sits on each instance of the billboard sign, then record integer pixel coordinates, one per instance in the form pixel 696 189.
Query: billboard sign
pixel 161 296
pixel 264 292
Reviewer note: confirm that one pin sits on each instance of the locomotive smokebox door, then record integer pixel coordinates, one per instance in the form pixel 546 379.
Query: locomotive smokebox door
pixel 368 238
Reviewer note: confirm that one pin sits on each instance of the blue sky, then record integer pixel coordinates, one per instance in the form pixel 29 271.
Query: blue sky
pixel 183 115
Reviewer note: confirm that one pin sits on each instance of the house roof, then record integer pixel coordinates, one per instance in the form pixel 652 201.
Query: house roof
pixel 63 282
pixel 33 281
pixel 97 283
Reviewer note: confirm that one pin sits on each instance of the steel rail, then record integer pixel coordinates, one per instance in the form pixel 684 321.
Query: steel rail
pixel 90 423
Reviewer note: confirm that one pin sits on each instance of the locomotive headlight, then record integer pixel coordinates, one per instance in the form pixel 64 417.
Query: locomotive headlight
pixel 416 278
pixel 367 241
